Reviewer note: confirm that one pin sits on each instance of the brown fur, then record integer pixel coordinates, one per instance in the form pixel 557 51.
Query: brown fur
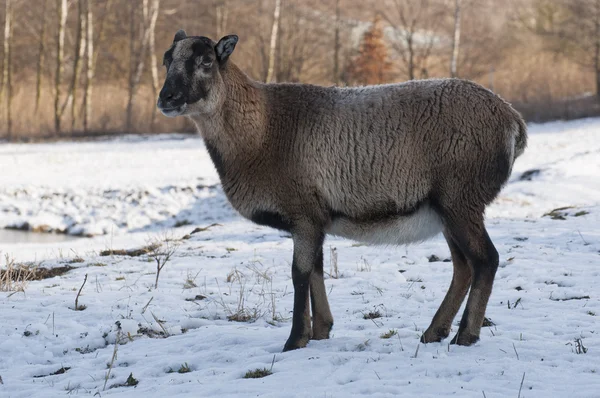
pixel 389 164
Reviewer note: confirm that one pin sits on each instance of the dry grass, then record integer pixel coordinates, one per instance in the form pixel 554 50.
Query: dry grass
pixel 162 249
pixel 14 277
pixel 150 248
pixel 255 298
pixel 108 117
pixel 389 334
pixel 528 90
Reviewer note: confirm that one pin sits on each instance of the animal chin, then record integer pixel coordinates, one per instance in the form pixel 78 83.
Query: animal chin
pixel 173 112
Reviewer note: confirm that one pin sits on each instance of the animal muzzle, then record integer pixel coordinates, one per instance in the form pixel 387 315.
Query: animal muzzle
pixel 170 102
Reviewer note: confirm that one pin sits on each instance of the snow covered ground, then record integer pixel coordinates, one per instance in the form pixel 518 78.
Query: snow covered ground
pixel 126 193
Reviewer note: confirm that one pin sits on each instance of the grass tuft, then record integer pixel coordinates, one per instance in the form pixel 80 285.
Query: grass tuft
pixel 389 334
pixel 372 315
pixel 131 381
pixel 184 368
pixel 131 252
pixel 14 277
pixel 257 373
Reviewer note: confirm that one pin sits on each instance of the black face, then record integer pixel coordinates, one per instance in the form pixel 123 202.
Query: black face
pixel 192 69
pixel 190 65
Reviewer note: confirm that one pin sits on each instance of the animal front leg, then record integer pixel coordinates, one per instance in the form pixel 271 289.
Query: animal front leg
pixel 322 319
pixel 308 244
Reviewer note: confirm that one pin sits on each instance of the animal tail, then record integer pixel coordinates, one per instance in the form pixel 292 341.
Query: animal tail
pixel 520 137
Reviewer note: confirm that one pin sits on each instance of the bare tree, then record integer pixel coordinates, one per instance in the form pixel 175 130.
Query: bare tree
pixel 568 27
pixel 273 46
pixel 472 37
pixel 101 30
pixel 60 50
pixel 455 39
pixel 413 22
pixel 222 14
pixel 41 55
pixel 87 99
pixel 78 60
pixel 294 46
pixel 579 35
pixel 151 48
pixel 132 63
pixel 7 67
pixel 137 58
pixel 336 45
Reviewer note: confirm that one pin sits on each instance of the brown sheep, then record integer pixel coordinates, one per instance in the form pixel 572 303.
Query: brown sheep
pixel 389 164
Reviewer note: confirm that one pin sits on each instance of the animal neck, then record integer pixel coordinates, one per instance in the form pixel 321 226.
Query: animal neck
pixel 237 128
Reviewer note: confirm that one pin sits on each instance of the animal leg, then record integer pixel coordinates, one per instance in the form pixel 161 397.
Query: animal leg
pixel 308 249
pixel 473 240
pixel 322 318
pixel 440 325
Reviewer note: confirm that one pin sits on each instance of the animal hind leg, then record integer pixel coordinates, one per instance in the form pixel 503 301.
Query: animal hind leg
pixel 439 328
pixel 322 318
pixel 473 240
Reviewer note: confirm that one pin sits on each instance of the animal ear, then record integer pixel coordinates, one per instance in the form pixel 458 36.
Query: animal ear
pixel 180 35
pixel 225 47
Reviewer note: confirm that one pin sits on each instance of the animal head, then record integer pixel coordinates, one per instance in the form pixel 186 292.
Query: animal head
pixel 194 84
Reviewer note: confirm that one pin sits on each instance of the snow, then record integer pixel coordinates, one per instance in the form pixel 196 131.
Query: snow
pixel 130 191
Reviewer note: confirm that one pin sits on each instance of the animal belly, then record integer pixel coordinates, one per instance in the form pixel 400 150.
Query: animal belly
pixel 416 227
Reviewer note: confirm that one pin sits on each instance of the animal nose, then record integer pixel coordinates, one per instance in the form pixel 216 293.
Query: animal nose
pixel 169 94
pixel 166 94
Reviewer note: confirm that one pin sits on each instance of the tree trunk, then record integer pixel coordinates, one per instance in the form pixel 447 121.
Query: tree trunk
pixel 77 62
pixel 132 39
pixel 137 60
pixel 7 68
pixel 151 48
pixel 597 71
pixel 41 54
pixel 273 46
pixel 87 99
pixel 336 45
pixel 411 58
pixel 455 39
pixel 101 30
pixel 222 13
pixel 597 48
pixel 60 48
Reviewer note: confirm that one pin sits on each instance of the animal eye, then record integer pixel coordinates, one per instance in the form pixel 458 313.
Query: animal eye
pixel 205 63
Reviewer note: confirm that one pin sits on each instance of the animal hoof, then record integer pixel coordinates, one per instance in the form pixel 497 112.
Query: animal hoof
pixel 321 332
pixel 295 344
pixel 464 338
pixel 434 335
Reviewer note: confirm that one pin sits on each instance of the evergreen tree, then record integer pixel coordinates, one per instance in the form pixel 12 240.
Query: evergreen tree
pixel 371 65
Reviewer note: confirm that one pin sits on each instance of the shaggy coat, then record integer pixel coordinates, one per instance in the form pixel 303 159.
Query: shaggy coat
pixel 390 164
